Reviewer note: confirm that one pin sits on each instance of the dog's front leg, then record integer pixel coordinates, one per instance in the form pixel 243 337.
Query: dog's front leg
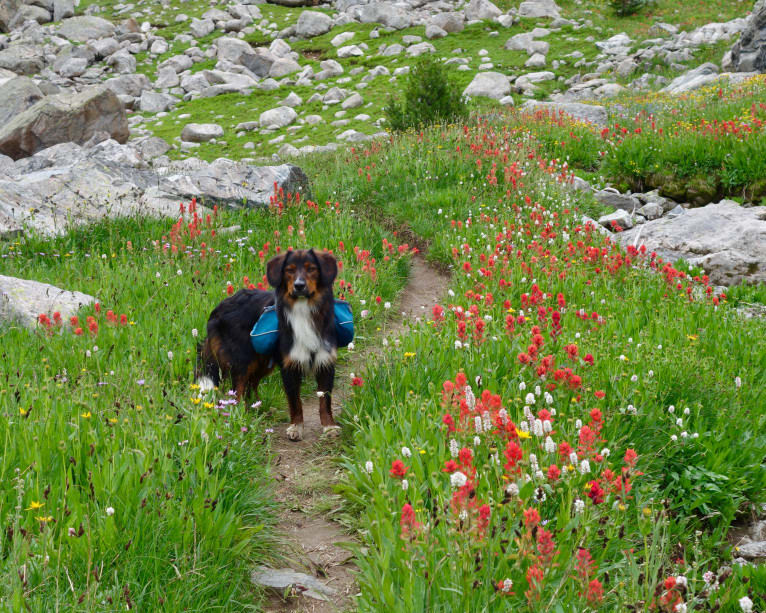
pixel 291 380
pixel 325 380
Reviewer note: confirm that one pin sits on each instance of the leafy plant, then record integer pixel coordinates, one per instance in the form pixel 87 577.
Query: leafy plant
pixel 624 8
pixel 430 96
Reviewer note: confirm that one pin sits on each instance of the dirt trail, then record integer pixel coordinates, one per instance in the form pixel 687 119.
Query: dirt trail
pixel 306 473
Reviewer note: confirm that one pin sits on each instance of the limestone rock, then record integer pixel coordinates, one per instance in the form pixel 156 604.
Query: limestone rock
pixel 84 28
pixel 481 9
pixel 749 52
pixel 620 218
pixel 279 117
pixel 489 84
pixel 539 8
pixel 23 59
pixel 23 300
pixel 64 118
pixel 312 23
pixel 68 183
pixel 17 95
pixel 585 112
pixel 725 239
pixel 284 579
pixel 201 132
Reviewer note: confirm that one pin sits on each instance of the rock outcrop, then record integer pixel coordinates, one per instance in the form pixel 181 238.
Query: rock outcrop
pixel 69 184
pixel 749 52
pixel 725 239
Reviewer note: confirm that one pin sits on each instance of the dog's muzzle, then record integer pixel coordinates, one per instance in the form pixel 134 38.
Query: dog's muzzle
pixel 300 289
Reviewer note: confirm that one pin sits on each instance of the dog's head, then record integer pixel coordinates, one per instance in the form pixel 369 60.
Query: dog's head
pixel 303 273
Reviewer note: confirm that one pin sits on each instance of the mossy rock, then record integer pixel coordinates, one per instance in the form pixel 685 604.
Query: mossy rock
pixel 702 190
pixel 670 187
pixel 756 191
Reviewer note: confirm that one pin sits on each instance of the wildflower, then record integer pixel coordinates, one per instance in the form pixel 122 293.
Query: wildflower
pixel 746 604
pixel 595 592
pixel 170 355
pixel 506 585
pixel 368 467
pixel 584 467
pixel 454 448
pixel 550 446
pixel 738 384
pixel 195 333
pixel 398 469
pixel 709 577
pixel 407 522
pixel 579 505
pixel 458 479
pixel 405 484
pixel 540 495
pixel 512 489
pixel 110 511
pixel 406 452
pixel 34 505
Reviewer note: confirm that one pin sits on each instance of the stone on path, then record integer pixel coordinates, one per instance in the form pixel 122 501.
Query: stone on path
pixel 282 579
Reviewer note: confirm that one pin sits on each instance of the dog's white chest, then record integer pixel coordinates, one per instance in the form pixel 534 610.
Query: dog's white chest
pixel 308 348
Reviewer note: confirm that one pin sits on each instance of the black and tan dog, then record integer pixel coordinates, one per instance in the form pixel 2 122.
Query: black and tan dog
pixel 302 282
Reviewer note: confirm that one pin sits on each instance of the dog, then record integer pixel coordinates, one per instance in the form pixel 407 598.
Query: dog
pixel 303 295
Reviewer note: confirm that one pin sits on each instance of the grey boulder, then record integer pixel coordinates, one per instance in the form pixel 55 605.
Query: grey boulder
pixel 201 132
pixel 17 95
pixel 591 113
pixel 488 84
pixel 725 239
pixel 481 9
pixel 63 118
pixel 84 28
pixel 23 59
pixel 22 301
pixel 313 23
pixel 749 52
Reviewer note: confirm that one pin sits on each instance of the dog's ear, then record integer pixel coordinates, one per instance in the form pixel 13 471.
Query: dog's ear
pixel 275 269
pixel 328 266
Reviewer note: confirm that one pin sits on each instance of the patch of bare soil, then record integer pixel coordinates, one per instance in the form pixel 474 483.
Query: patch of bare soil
pixel 306 475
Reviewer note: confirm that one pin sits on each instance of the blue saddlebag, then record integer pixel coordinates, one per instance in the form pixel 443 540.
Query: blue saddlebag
pixel 265 333
pixel 344 323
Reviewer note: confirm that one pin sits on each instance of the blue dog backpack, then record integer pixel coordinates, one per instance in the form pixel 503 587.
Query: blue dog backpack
pixel 265 333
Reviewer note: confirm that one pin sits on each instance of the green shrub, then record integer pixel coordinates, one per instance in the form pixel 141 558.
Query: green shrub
pixel 624 8
pixel 430 96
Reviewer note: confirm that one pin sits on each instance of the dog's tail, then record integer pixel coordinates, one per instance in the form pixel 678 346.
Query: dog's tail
pixel 207 373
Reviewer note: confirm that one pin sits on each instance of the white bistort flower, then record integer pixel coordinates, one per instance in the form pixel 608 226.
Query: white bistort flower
pixel 406 452
pixel 458 479
pixel 746 605
pixel 368 467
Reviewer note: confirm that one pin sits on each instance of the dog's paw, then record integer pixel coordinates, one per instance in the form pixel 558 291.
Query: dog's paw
pixel 295 432
pixel 331 431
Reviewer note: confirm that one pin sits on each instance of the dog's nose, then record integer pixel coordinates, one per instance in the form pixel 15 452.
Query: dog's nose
pixel 299 284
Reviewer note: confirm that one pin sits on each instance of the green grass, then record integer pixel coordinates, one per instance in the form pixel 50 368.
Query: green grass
pixel 112 420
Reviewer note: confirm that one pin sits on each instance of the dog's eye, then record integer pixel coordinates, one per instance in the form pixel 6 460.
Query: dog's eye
pixel 290 268
pixel 311 268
